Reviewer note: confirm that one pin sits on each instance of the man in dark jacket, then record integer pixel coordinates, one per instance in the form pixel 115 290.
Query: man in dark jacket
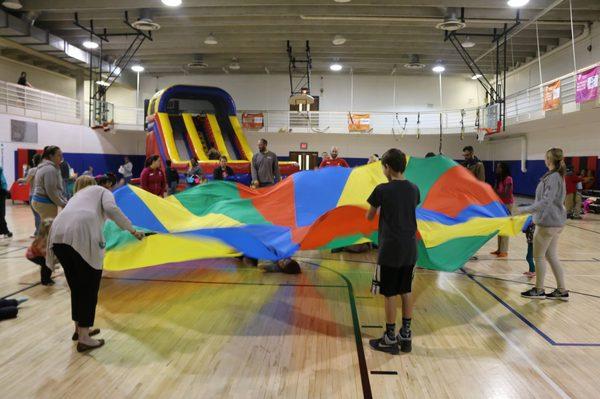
pixel 473 163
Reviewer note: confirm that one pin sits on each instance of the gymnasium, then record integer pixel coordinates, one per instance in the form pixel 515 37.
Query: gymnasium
pixel 299 199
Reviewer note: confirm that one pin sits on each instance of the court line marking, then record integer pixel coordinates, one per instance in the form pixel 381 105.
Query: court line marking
pixel 431 270
pixel 360 350
pixel 29 287
pixel 582 228
pixel 366 385
pixel 223 282
pixel 12 250
pixel 371 326
pixel 525 320
pixel 384 372
pixel 532 284
pixel 527 359
pixel 22 289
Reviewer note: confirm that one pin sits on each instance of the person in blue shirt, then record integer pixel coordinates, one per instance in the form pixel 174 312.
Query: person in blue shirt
pixel 4 232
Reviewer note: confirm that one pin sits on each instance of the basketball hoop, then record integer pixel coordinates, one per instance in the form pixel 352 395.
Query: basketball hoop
pixel 481 133
pixel 301 99
pixel 106 126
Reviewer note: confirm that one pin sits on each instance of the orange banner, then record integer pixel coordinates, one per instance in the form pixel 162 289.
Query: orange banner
pixel 359 122
pixel 552 96
pixel 253 121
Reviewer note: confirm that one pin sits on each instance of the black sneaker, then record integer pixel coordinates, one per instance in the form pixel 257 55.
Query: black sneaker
pixel 534 294
pixel 385 344
pixel 405 343
pixel 557 294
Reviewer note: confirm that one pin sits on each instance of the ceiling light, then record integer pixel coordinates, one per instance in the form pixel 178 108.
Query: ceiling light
pixel 517 3
pixel 102 83
pixel 476 76
pixel 438 68
pixel 338 40
pixel 172 3
pixel 12 4
pixel 468 43
pixel 211 39
pixel 235 65
pixel 335 67
pixel 90 44
pixel 137 68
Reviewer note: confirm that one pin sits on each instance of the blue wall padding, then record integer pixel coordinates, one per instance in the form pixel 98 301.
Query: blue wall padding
pixel 103 163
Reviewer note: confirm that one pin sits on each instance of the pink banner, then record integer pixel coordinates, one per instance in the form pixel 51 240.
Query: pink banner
pixel 587 86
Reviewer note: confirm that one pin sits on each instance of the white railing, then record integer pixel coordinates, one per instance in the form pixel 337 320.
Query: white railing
pixel 25 101
pixel 521 106
pixel 128 116
pixel 397 123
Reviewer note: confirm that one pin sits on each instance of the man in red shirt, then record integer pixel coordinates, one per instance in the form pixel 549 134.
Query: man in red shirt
pixel 333 160
pixel 573 198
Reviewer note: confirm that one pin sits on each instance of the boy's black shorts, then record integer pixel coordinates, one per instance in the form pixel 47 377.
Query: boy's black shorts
pixel 391 281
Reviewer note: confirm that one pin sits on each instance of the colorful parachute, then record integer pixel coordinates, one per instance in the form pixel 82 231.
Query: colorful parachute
pixel 309 210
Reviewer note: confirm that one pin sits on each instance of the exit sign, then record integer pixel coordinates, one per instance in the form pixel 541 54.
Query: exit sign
pixel 304 146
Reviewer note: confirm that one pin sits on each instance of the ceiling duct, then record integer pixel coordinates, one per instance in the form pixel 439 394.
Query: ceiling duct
pixel 40 43
pixel 452 20
pixel 198 63
pixel 145 22
pixel 414 63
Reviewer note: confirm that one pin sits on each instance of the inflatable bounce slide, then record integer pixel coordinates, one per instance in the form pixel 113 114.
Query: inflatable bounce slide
pixel 194 121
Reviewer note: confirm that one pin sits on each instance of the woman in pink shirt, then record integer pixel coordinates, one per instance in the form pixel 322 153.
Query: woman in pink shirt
pixel 504 189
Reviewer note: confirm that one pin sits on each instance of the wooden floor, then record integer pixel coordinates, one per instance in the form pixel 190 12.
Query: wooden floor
pixel 216 329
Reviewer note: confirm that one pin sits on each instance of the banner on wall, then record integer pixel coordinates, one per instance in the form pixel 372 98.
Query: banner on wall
pixel 587 85
pixel 552 96
pixel 359 122
pixel 253 121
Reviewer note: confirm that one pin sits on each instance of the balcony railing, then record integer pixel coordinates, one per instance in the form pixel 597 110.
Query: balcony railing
pixel 396 123
pixel 25 101
pixel 521 106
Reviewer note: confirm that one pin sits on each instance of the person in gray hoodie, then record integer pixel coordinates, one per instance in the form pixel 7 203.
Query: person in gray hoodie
pixel 549 216
pixel 47 188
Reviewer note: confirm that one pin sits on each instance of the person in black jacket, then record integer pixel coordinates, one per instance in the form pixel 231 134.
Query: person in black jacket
pixel 172 178
pixel 223 172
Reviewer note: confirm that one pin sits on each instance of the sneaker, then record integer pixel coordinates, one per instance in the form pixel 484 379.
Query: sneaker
pixel 496 252
pixel 502 254
pixel 534 294
pixel 21 299
pixel 385 344
pixel 529 274
pixel 557 294
pixel 405 343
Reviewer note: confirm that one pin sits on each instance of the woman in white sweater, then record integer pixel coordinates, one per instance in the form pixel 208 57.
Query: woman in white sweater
pixel 77 242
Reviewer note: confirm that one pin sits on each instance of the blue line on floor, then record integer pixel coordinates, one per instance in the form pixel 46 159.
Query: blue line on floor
pixel 524 319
